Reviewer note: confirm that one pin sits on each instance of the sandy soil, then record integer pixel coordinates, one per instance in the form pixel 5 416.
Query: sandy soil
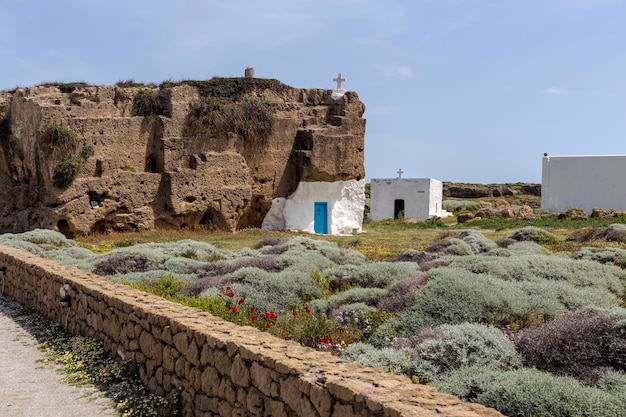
pixel 32 387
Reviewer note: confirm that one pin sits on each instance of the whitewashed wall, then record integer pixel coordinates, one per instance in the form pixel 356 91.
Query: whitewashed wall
pixel 583 182
pixel 422 198
pixel 346 202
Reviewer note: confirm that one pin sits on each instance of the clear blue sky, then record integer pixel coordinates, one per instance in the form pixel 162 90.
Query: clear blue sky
pixel 457 90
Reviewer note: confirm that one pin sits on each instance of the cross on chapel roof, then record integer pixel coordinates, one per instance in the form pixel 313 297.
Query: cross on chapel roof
pixel 400 172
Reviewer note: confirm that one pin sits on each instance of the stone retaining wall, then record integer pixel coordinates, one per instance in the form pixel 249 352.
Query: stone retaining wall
pixel 217 368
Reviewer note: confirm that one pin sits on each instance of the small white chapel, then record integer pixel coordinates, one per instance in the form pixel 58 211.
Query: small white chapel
pixel 406 198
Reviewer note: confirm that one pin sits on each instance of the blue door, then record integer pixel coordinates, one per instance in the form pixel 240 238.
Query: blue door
pixel 320 224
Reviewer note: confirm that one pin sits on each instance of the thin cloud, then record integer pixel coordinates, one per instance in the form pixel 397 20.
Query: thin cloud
pixel 395 70
pixel 555 91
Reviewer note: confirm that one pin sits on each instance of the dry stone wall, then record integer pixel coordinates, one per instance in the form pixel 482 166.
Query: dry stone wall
pixel 216 367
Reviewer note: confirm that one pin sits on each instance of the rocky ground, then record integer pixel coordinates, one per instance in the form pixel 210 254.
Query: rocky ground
pixel 31 386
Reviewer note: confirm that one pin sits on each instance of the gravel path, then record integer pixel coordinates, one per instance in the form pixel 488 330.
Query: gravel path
pixel 31 386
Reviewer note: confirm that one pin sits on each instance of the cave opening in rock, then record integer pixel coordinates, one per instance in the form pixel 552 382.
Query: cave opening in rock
pixel 64 227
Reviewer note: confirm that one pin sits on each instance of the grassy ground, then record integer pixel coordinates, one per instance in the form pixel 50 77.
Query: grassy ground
pixel 381 240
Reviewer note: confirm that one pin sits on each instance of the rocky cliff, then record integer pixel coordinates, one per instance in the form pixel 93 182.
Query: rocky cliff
pixel 80 158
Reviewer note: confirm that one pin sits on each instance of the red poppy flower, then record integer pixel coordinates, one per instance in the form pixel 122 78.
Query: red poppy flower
pixel 308 310
pixel 251 309
pixel 324 341
pixel 227 288
pixel 219 295
pixel 231 294
pixel 253 318
pixel 273 315
pixel 233 309
pixel 267 325
pixel 267 316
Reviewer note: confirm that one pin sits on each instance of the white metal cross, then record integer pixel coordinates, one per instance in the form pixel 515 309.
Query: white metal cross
pixel 339 80
pixel 400 172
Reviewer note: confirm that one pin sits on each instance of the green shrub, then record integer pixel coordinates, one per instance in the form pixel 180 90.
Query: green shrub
pixel 60 136
pixel 529 392
pixel 150 102
pixel 534 234
pixel 70 87
pixel 66 171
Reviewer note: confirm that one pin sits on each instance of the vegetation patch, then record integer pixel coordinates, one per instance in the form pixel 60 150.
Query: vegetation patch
pixel 250 117
pixel 86 362
pixel 150 102
pixel 66 171
pixel 60 136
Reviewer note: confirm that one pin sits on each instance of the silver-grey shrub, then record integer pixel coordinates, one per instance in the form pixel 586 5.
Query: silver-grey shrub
pixel 527 248
pixel 369 296
pixel 22 245
pixel 396 361
pixel 460 205
pixel 464 345
pixel 529 392
pixel 182 265
pixel 374 274
pixel 477 241
pixel 281 292
pixel 147 277
pixel 45 238
pixel 536 268
pixel 454 296
pixel 534 234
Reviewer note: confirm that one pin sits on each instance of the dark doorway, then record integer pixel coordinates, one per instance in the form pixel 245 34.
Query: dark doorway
pixel 398 209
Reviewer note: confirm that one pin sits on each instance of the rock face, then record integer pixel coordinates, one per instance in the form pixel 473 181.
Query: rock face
pixel 82 159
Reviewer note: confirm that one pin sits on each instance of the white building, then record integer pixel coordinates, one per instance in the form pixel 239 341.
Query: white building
pixel 334 208
pixel 408 198
pixel 583 182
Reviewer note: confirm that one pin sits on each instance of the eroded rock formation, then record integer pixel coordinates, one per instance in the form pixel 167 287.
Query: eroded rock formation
pixel 81 159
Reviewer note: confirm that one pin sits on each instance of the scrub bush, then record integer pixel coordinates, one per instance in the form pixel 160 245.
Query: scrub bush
pixel 369 296
pixel 477 241
pixel 529 392
pixel 379 274
pixel 464 345
pixel 454 296
pixel 460 205
pixel 536 268
pixel 583 345
pixel 534 234
pixel 401 295
pixel 124 262
pixel 396 361
pixel 527 248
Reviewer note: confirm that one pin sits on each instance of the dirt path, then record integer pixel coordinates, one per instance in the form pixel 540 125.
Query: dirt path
pixel 31 387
